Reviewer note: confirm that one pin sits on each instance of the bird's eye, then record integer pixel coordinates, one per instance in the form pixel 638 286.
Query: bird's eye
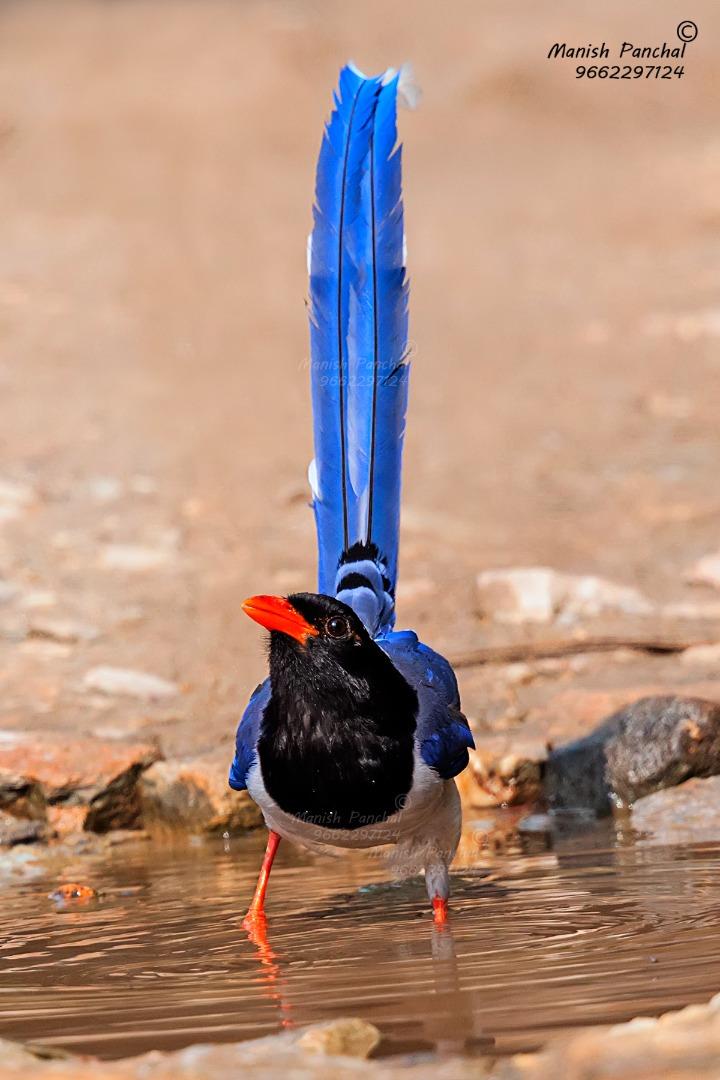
pixel 337 627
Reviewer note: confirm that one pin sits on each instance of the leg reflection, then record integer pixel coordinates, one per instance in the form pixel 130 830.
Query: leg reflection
pixel 270 968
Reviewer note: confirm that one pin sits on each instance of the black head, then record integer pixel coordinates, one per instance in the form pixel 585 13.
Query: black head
pixel 310 631
pixel 320 649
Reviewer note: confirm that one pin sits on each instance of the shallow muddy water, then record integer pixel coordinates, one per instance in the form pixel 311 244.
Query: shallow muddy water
pixel 591 932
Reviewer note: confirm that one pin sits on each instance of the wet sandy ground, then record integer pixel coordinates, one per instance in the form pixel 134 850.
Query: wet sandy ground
pixel 155 184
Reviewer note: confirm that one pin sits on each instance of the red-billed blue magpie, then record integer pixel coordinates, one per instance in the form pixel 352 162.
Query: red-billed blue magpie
pixel 355 737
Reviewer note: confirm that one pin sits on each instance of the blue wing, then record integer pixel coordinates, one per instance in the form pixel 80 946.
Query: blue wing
pixel 443 734
pixel 445 748
pixel 247 736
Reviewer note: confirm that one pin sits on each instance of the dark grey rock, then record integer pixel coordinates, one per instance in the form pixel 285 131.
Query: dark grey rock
pixel 655 743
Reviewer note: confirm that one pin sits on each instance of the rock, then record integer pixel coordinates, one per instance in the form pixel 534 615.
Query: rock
pixel 695 610
pixel 105 489
pixel 44 649
pixel 518 673
pixel 682 1045
pixel 540 594
pixel 584 597
pixel 702 656
pixel 16 1059
pixel 685 326
pixel 72 772
pixel 8 591
pixel 654 743
pixel 132 615
pixel 194 796
pixel 15 499
pixel 518 595
pixel 507 767
pixel 505 778
pixel 73 892
pixel 21 796
pixel 706 571
pixel 12 491
pixel 349 1037
pixel 496 832
pixel 14 830
pixel 135 557
pixel 56 628
pixel 37 599
pixel 117 806
pixel 686 814
pixel 67 820
pixel 23 815
pixel 305 1054
pixel 129 683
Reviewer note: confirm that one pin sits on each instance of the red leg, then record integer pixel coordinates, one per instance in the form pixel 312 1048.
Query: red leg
pixel 440 911
pixel 256 911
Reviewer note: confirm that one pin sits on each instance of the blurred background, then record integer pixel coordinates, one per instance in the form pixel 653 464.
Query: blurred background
pixel 156 188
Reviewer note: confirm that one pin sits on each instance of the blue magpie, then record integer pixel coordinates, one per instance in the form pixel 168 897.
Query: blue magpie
pixel 354 738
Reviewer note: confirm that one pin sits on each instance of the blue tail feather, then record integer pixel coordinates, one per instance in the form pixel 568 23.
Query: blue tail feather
pixel 358 346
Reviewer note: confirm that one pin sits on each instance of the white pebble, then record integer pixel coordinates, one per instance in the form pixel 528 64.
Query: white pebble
pixel 105 489
pixel 135 557
pixel 17 494
pixel 706 571
pixel 126 682
pixel 60 629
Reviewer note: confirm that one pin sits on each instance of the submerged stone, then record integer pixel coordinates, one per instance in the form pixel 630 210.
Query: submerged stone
pixel 73 892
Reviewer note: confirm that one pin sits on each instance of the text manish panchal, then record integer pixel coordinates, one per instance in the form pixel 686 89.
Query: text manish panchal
pixel 626 51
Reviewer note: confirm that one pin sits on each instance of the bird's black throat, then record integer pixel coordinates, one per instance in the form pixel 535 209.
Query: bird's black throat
pixel 336 742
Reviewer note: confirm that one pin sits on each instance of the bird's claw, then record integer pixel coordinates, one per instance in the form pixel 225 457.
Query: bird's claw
pixel 440 911
pixel 255 923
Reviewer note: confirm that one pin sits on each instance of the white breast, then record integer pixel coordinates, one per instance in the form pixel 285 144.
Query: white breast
pixel 414 814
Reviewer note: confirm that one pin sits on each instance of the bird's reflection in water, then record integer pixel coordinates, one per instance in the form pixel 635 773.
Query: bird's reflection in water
pixel 271 972
pixel 437 1018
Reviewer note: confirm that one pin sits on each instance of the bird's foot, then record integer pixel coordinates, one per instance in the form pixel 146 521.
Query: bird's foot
pixel 440 910
pixel 255 922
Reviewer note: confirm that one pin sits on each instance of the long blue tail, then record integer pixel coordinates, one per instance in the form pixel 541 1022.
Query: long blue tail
pixel 358 337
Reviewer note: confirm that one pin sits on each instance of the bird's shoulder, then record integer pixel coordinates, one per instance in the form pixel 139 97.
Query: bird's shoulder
pixel 443 734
